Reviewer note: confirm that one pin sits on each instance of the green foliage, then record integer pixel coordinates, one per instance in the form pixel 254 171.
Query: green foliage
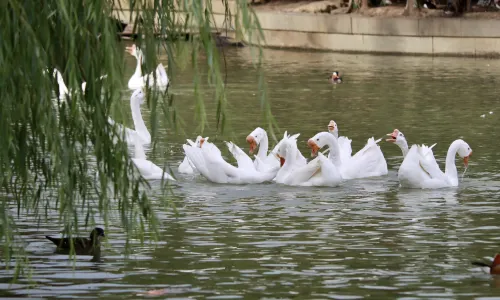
pixel 66 144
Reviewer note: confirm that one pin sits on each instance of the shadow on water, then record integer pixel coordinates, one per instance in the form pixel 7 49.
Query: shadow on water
pixel 367 238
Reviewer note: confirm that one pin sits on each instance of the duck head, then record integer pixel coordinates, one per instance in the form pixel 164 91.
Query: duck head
pixel 97 234
pixel 335 75
pixel 254 139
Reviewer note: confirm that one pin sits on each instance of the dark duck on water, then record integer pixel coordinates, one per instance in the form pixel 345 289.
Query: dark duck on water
pixel 82 246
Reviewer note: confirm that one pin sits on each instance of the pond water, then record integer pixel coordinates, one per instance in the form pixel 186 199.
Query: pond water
pixel 367 238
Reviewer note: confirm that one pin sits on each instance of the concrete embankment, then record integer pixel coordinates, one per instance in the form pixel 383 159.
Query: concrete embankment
pixel 354 33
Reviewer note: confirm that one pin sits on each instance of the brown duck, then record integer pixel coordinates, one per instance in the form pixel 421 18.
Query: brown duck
pixel 83 246
pixel 494 265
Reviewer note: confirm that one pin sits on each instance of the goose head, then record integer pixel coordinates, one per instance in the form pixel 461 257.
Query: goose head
pixel 132 50
pixel 286 145
pixel 317 142
pixel 397 137
pixel 138 95
pixel 464 151
pixel 200 140
pixel 278 145
pixel 254 138
pixel 136 52
pixel 332 128
pixel 281 152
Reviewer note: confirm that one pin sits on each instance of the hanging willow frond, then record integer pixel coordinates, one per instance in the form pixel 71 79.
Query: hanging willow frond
pixel 59 153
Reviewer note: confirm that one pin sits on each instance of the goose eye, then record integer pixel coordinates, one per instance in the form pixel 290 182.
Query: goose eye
pixel 317 139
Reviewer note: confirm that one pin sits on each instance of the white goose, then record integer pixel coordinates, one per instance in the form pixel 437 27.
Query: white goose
pixel 318 172
pixel 186 166
pixel 209 162
pixel 367 162
pixel 266 161
pixel 398 138
pixel 421 171
pixel 344 142
pixel 147 168
pixel 141 133
pixel 63 89
pixel 138 80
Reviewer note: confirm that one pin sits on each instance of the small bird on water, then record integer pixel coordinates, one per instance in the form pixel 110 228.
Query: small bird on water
pixel 494 265
pixel 335 77
pixel 82 246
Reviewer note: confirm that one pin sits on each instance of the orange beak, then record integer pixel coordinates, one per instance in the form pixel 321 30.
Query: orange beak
pixel 253 144
pixel 282 160
pixel 314 147
pixel 466 160
pixel 331 128
pixel 202 140
pixel 393 136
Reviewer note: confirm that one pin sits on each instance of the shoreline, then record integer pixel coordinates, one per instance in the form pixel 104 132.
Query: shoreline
pixel 429 35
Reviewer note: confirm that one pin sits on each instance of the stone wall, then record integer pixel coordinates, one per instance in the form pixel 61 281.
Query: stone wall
pixel 352 33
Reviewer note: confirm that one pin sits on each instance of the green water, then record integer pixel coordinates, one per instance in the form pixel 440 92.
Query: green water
pixel 365 239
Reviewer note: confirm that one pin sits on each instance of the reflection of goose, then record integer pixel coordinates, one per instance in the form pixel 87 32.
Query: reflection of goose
pixel 147 168
pixel 141 133
pixel 139 81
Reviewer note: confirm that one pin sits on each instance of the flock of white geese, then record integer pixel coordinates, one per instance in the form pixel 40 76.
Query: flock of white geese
pixel 284 164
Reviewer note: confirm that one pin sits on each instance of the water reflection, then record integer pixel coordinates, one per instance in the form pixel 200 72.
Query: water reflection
pixel 368 238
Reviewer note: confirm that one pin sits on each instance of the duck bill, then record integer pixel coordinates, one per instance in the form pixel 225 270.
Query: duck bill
pixel 129 50
pixel 331 129
pixel 314 147
pixel 252 143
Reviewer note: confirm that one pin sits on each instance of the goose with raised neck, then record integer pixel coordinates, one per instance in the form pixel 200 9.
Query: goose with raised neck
pixel 418 170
